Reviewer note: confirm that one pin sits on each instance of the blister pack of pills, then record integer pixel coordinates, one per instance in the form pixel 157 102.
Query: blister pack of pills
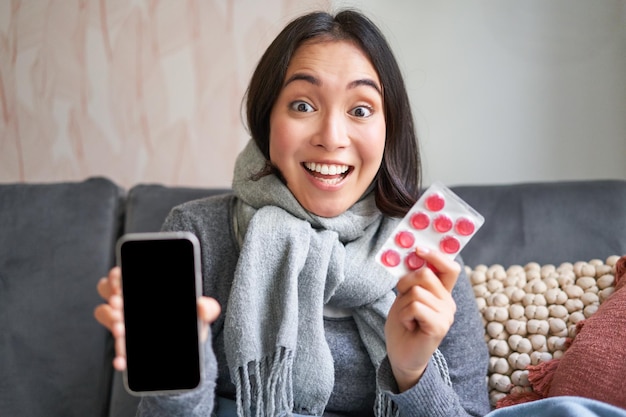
pixel 439 220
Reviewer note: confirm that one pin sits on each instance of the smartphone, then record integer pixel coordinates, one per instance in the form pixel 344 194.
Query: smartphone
pixel 161 282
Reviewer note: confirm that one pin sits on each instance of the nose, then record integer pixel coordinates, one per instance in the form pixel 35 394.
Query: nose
pixel 332 132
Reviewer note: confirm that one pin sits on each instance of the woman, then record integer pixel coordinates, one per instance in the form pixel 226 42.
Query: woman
pixel 332 166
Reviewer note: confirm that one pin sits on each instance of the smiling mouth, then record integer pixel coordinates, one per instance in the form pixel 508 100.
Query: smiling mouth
pixel 328 173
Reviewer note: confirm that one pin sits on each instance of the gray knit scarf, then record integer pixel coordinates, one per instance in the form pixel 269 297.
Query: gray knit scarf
pixel 291 264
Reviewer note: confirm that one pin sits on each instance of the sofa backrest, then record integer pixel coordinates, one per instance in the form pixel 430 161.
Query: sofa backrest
pixel 147 205
pixel 543 222
pixel 548 223
pixel 56 241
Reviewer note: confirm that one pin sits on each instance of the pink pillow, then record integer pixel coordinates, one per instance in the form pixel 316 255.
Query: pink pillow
pixel 594 366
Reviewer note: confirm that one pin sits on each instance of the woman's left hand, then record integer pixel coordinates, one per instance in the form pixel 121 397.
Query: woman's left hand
pixel 420 317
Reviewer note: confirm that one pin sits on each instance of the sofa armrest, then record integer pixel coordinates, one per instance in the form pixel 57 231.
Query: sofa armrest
pixel 56 241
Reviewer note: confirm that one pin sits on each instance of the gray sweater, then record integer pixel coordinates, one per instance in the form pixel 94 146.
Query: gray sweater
pixel 464 347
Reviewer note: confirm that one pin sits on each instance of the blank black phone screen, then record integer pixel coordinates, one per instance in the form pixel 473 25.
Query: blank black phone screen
pixel 160 315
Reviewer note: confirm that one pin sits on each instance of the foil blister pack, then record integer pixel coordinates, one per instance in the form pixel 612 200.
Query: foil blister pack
pixel 439 220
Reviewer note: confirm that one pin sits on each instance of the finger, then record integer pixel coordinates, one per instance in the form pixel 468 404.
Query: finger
pixel 414 304
pixel 424 296
pixel 119 332
pixel 425 278
pixel 208 309
pixel 116 302
pixel 446 269
pixel 429 321
pixel 110 284
pixel 107 315
pixel 104 288
pixel 119 363
pixel 115 278
pixel 410 314
pixel 433 320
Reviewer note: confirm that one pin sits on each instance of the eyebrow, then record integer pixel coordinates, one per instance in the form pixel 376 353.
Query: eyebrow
pixel 317 82
pixel 366 82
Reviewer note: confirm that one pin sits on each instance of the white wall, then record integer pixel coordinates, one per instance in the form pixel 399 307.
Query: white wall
pixel 512 90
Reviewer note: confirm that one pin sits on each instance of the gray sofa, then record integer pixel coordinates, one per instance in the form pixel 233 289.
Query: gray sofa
pixel 57 240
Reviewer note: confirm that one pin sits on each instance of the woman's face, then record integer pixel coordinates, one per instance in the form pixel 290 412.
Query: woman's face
pixel 327 127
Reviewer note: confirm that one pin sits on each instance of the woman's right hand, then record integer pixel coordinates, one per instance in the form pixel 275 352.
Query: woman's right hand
pixel 111 313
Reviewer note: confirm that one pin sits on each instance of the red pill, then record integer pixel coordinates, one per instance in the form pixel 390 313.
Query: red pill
pixel 442 223
pixel 464 226
pixel 413 261
pixel 390 258
pixel 449 244
pixel 420 221
pixel 405 239
pixel 435 202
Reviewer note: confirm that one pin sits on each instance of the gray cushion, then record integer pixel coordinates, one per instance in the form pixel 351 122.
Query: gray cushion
pixel 551 222
pixel 148 205
pixel 56 241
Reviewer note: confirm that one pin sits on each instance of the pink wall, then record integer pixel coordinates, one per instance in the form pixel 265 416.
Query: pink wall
pixel 138 91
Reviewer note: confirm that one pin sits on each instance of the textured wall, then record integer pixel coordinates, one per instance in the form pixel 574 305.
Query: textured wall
pixel 134 90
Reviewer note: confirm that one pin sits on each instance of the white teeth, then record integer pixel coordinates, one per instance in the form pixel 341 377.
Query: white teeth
pixel 330 181
pixel 326 169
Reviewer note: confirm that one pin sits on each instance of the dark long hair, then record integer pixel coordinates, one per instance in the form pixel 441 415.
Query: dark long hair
pixel 398 180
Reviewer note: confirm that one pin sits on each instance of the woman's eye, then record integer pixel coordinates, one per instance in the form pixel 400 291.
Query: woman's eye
pixel 361 111
pixel 301 106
